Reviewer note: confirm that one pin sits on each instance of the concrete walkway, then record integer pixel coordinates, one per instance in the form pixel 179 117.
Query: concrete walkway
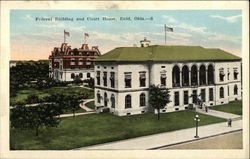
pixel 219 114
pixel 83 106
pixel 167 139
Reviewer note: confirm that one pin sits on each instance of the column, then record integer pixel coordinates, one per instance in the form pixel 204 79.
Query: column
pixel 181 79
pixel 198 76
pixel 206 79
pixel 189 77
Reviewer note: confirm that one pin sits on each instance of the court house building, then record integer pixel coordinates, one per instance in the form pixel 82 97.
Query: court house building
pixel 123 77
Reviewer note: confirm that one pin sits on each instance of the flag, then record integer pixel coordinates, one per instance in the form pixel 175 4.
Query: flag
pixel 169 29
pixel 66 33
pixel 86 34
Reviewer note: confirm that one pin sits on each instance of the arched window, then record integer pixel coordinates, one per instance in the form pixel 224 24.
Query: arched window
pixel 185 76
pixel 202 75
pixel 194 80
pixel 176 76
pixel 88 75
pixel 105 99
pixel 112 101
pixel 142 100
pixel 221 92
pixel 72 75
pixel 128 101
pixel 98 97
pixel 210 74
pixel 80 75
pixel 235 90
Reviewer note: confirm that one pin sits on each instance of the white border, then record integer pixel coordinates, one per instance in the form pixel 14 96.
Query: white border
pixel 122 5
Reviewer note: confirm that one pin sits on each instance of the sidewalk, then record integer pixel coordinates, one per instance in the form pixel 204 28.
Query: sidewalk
pixel 82 105
pixel 219 114
pixel 168 138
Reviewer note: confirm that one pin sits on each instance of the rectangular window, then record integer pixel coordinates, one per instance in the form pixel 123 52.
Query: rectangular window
pixel 228 90
pixel 105 78
pixel 142 79
pixel 236 74
pixel 163 79
pixel 163 66
pixel 195 96
pixel 203 95
pixel 211 94
pixel 112 79
pixel 127 80
pixel 176 98
pixel 228 74
pixel 98 73
pixel 186 97
pixel 222 74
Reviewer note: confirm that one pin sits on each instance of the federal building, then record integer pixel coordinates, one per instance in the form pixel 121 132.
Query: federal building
pixel 65 63
pixel 124 74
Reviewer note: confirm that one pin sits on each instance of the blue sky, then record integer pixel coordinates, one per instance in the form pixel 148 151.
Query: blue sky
pixel 31 39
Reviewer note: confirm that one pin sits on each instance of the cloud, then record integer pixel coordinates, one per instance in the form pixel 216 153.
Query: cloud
pixel 230 19
pixel 169 19
pixel 27 17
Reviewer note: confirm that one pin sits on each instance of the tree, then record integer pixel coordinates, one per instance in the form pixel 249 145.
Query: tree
pixel 158 98
pixel 31 99
pixel 73 102
pixel 77 80
pixel 23 117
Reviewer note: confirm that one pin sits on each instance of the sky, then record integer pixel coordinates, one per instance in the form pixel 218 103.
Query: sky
pixel 32 38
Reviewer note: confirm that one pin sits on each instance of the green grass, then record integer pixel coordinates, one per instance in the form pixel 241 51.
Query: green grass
pixel 91 104
pixel 23 94
pixel 232 107
pixel 79 131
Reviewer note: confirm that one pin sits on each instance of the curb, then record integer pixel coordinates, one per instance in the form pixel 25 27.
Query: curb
pixel 194 139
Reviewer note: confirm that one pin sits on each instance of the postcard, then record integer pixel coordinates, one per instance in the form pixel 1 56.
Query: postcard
pixel 124 79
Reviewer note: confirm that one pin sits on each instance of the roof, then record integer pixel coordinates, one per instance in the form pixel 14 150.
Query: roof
pixel 166 53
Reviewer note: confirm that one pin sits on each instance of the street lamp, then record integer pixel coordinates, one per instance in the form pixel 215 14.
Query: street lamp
pixel 197 119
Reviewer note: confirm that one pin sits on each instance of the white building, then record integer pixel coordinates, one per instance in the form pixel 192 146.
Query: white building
pixel 123 77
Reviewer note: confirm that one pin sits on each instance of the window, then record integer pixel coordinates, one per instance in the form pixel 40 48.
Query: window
pixel 105 99
pixel 222 74
pixel 211 94
pixel 186 97
pixel 228 90
pixel 98 73
pixel 203 95
pixel 163 79
pixel 185 76
pixel 176 76
pixel 176 98
pixel 98 97
pixel 127 80
pixel 194 76
pixel 228 74
pixel 105 78
pixel 112 101
pixel 235 90
pixel 202 75
pixel 112 79
pixel 142 100
pixel 194 96
pixel 88 75
pixel 221 92
pixel 80 75
pixel 80 61
pixel 128 101
pixel 163 66
pixel 210 74
pixel 72 75
pixel 72 61
pixel 236 74
pixel 142 79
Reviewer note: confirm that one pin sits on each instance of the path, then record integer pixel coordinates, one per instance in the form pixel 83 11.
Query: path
pixel 219 114
pixel 83 106
pixel 169 138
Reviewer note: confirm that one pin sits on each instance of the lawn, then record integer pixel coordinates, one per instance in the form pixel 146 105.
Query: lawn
pixel 91 104
pixel 234 107
pixel 79 131
pixel 79 110
pixel 23 94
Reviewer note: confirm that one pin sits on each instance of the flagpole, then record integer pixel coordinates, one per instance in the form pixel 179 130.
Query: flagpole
pixel 165 34
pixel 64 36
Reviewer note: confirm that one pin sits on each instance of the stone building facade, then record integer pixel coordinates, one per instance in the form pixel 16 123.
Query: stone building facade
pixel 123 77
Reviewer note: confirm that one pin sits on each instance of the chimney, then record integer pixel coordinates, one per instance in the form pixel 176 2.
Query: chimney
pixel 85 47
pixel 145 42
